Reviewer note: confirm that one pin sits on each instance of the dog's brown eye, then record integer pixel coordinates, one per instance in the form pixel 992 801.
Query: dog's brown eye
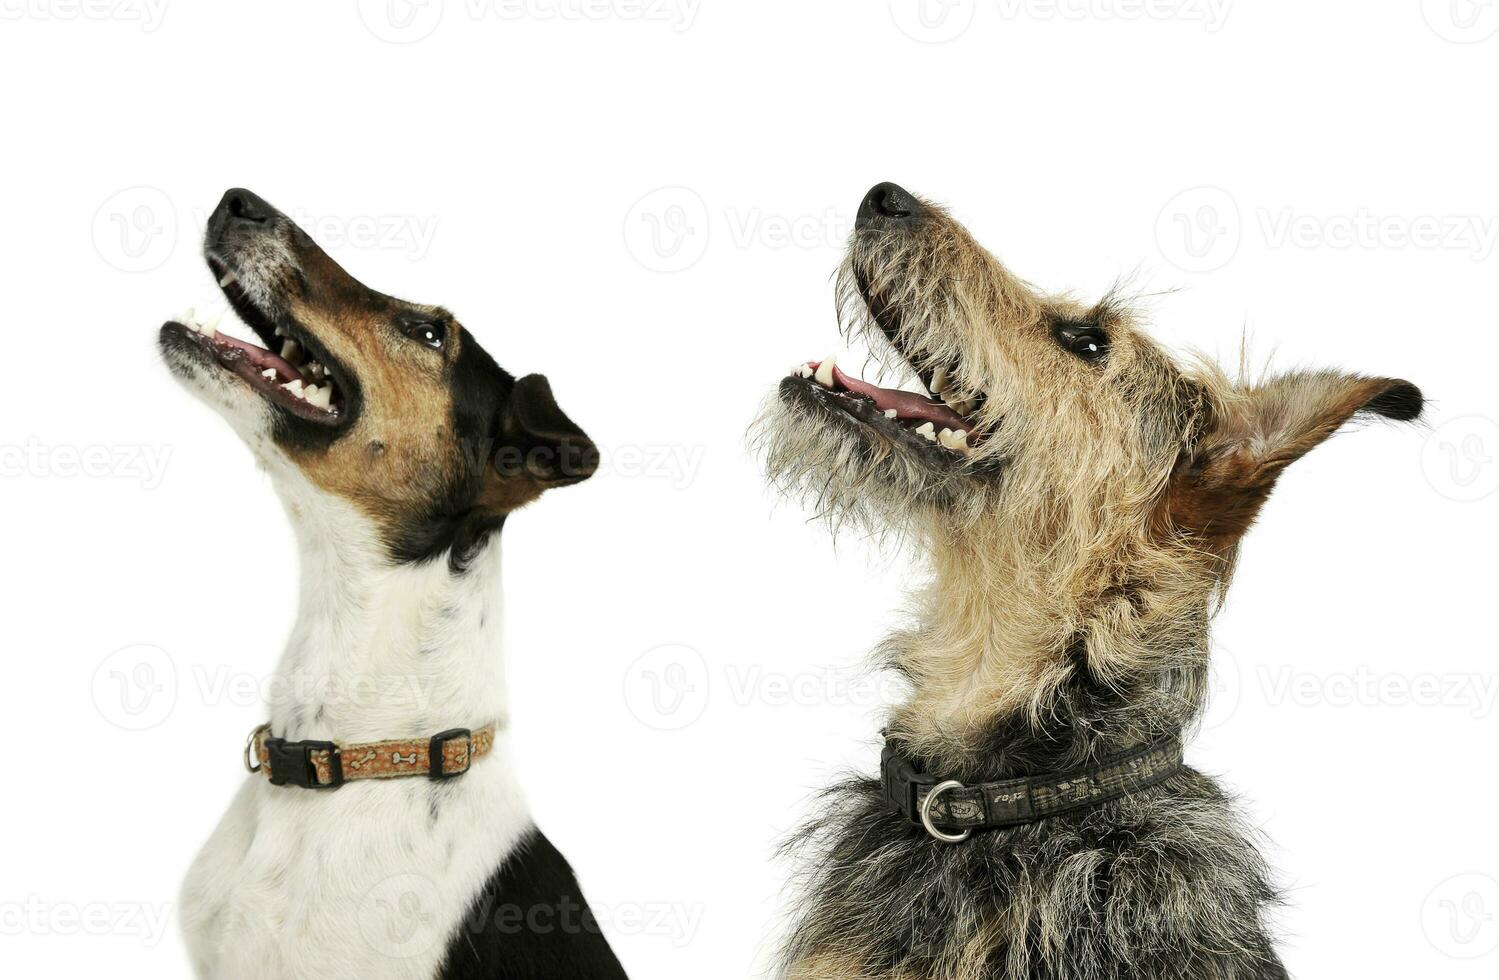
pixel 1087 342
pixel 431 334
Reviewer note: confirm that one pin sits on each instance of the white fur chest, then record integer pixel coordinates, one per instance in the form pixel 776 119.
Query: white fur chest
pixel 370 880
pixel 367 881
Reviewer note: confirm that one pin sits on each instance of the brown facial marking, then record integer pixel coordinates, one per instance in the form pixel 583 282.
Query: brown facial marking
pixel 426 424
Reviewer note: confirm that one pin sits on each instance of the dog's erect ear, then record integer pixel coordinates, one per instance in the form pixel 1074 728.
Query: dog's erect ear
pixel 1245 444
pixel 538 443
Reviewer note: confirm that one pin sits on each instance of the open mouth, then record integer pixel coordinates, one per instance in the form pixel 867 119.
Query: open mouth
pixel 939 414
pixel 913 413
pixel 288 367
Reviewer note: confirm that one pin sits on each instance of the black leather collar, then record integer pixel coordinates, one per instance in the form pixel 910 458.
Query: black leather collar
pixel 951 811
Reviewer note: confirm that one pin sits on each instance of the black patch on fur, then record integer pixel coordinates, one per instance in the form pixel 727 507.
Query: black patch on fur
pixel 452 523
pixel 530 922
pixel 1402 401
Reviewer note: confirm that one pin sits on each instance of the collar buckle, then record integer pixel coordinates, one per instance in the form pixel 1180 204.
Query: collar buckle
pixel 902 784
pixel 292 765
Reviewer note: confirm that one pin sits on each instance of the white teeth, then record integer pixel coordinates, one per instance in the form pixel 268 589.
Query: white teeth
pixel 891 413
pixel 927 430
pixel 957 441
pixel 824 373
pixel 802 371
pixel 228 278
pixel 289 351
pixel 939 380
pixel 962 407
pixel 279 332
pixel 295 387
pixel 269 374
pixel 321 397
pixel 189 318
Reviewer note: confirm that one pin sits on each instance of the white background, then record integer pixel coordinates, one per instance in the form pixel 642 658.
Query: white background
pixel 646 200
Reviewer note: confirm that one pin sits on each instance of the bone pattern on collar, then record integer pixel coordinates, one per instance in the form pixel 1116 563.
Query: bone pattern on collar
pixel 386 759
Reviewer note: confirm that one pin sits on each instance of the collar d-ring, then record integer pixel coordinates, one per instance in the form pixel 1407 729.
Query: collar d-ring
pixel 926 813
pixel 250 748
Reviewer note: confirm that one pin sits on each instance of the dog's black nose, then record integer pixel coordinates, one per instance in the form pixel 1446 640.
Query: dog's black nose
pixel 244 205
pixel 887 204
pixel 238 209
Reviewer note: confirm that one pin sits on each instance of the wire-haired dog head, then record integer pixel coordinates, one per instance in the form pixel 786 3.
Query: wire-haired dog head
pixel 1078 491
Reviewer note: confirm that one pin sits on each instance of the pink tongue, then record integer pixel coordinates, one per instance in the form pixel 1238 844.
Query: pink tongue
pixel 907 404
pixel 259 356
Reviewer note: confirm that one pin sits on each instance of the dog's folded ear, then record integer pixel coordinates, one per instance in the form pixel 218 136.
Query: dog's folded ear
pixel 539 442
pixel 1248 439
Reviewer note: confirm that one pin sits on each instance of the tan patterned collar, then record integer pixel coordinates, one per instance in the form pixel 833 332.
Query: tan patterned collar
pixel 328 765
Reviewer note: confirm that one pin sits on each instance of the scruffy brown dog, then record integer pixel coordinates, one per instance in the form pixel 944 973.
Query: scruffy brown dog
pixel 1080 497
